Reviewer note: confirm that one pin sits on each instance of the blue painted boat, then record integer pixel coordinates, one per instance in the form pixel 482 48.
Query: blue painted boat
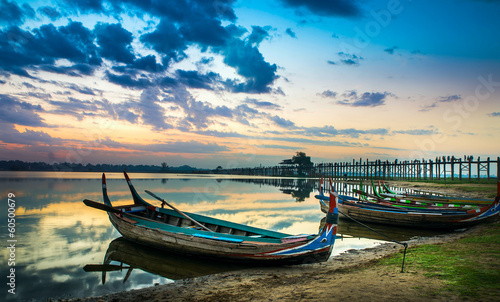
pixel 200 235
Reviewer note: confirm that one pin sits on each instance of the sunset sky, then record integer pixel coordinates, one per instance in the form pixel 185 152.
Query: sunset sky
pixel 248 83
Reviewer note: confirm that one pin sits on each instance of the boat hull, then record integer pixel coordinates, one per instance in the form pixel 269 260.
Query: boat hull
pixel 246 251
pixel 415 219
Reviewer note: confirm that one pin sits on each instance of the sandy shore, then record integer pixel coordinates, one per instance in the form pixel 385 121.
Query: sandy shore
pixel 351 276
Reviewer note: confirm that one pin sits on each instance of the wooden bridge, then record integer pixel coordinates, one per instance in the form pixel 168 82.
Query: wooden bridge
pixel 441 168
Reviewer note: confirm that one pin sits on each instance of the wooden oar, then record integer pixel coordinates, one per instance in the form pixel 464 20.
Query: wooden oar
pixel 100 206
pixel 178 211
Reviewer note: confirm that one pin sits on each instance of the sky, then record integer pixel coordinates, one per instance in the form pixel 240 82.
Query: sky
pixel 248 83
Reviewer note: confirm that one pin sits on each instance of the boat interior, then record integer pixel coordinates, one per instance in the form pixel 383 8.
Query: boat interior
pixel 170 217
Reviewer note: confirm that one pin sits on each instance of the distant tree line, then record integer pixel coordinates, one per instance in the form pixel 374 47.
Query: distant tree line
pixel 17 165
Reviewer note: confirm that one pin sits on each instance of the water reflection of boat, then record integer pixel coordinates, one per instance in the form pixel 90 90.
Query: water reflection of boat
pixel 201 235
pixel 169 265
pixel 353 229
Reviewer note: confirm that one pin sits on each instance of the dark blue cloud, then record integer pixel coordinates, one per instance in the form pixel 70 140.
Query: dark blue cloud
pixel 347 59
pixel 194 79
pixel 148 63
pixel 115 41
pixel 12 14
pixel 17 51
pixel 205 31
pixel 442 99
pixel 263 104
pixel 494 114
pixel 249 63
pixel 9 134
pixel 367 99
pixel 328 94
pixel 183 23
pixel 128 80
pixel 87 6
pixel 291 33
pixel 166 39
pixel 390 50
pixel 172 39
pixel 21 50
pixel 258 34
pixel 76 70
pixel 282 122
pixel 17 112
pixel 344 8
pixel 82 89
pixel 449 98
pixel 50 12
pixel 74 107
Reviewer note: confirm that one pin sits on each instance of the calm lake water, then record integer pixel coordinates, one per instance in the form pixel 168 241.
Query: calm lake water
pixel 57 236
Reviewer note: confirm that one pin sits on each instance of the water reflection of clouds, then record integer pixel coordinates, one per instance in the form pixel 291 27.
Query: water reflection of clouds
pixel 349 243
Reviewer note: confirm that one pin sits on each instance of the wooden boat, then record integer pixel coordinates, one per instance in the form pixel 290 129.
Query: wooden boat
pixel 195 234
pixel 415 204
pixel 417 218
pixel 420 203
pixel 439 200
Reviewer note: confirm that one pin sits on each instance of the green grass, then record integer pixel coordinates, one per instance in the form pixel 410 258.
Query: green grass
pixel 469 267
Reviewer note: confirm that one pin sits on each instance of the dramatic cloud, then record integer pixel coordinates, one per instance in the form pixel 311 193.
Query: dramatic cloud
pixel 344 8
pixel 114 42
pixel 183 23
pixel 250 64
pixel 21 50
pixel 12 14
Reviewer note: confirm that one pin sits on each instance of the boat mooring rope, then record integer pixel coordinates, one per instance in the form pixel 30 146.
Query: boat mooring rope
pixel 393 240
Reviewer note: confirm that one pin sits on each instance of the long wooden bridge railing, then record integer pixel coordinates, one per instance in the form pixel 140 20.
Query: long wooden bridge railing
pixel 450 167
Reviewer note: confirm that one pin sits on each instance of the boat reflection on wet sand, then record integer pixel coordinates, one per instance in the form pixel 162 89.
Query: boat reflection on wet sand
pixel 173 266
